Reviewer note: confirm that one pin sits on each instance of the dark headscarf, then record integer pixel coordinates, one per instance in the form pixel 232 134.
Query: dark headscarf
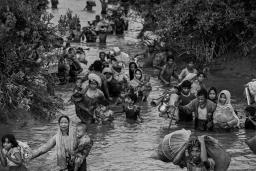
pixel 131 73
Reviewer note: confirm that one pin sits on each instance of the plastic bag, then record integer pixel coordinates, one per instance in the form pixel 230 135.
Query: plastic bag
pixel 173 144
pixel 217 153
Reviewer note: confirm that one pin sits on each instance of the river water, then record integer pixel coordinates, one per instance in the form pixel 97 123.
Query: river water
pixel 124 146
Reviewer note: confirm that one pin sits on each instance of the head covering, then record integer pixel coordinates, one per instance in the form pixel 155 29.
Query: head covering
pixel 228 97
pixel 227 105
pixel 107 70
pixel 95 77
pixel 65 144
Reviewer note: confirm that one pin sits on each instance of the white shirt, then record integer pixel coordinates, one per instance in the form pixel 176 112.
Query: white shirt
pixel 202 113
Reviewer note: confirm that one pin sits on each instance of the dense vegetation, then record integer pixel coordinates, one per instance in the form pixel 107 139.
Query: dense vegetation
pixel 207 28
pixel 25 35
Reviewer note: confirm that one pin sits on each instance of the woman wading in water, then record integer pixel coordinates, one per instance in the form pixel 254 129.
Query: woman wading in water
pixel 92 97
pixel 65 141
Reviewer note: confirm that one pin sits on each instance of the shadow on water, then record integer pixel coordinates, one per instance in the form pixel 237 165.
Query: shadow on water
pixel 124 145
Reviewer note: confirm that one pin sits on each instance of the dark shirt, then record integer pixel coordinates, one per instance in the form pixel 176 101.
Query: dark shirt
pixel 114 88
pixel 249 125
pixel 132 113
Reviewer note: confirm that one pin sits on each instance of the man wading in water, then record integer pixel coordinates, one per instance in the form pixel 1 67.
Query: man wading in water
pixel 168 71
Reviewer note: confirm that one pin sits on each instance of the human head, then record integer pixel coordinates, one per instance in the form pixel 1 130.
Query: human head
pixel 64 123
pixel 114 61
pixel 212 94
pixel 118 67
pixel 79 82
pixel 132 66
pixel 147 78
pixel 138 74
pixel 202 96
pixel 81 129
pixel 97 66
pixel 194 150
pixel 170 60
pixel 97 18
pixel 107 72
pixel 200 77
pixel 224 97
pixel 191 63
pixel 9 141
pixel 250 111
pixel 78 27
pixel 102 56
pixel 186 86
pixel 94 81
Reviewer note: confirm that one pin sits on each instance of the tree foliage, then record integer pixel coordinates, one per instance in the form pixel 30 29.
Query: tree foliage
pixel 208 28
pixel 25 35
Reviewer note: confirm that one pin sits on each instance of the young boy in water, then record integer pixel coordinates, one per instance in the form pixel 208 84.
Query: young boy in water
pixel 196 156
pixel 84 145
pixel 185 98
pixel 131 110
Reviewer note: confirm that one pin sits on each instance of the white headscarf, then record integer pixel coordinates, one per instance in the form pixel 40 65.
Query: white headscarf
pixel 95 77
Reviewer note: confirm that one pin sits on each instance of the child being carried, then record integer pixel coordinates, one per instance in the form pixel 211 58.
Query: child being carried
pixel 84 145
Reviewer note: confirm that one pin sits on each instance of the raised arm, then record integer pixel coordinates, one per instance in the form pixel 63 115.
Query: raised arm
pixel 3 158
pixel 44 148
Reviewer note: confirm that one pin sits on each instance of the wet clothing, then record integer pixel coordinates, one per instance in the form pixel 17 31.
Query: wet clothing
pixel 225 113
pixel 249 125
pixel 184 100
pixel 168 72
pixel 114 88
pixel 120 26
pixel 75 69
pixel 201 122
pixel 85 108
pixel 132 113
pixel 185 74
pixel 65 145
pixel 11 165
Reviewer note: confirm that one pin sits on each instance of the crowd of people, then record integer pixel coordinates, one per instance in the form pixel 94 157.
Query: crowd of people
pixel 116 79
pixel 107 82
pixel 113 20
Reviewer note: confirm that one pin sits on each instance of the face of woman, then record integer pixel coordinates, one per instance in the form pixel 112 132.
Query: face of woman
pixel 102 56
pixel 223 99
pixel 93 85
pixel 212 95
pixel 138 75
pixel 64 124
pixel 132 67
pixel 7 145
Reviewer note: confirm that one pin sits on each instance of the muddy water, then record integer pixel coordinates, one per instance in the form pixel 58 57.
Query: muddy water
pixel 128 146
